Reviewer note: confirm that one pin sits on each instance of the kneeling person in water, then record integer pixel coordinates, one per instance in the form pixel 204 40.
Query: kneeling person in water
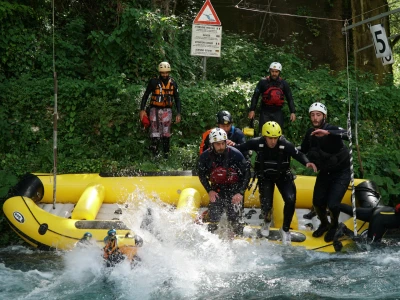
pixel 225 174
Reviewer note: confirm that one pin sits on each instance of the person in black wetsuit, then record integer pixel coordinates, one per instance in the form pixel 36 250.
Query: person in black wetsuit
pixel 380 217
pixel 272 168
pixel 273 90
pixel 164 93
pixel 323 144
pixel 235 135
pixel 225 174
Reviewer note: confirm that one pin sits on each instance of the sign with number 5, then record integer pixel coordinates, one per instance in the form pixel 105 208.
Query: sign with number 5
pixel 382 47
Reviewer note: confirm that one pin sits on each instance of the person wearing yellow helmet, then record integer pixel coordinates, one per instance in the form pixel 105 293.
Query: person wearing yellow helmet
pixel 323 145
pixel 273 90
pixel 164 93
pixel 224 174
pixel 272 167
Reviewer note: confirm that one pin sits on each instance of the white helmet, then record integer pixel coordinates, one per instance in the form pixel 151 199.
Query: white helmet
pixel 217 135
pixel 318 106
pixel 164 67
pixel 276 66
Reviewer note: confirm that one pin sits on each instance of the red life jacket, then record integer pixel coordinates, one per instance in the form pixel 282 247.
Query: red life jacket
pixel 221 175
pixel 274 95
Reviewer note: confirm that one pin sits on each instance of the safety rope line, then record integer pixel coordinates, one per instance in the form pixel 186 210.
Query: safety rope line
pixel 353 201
pixel 284 14
pixel 55 116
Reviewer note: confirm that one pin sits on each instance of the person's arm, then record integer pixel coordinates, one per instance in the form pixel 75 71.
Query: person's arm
pixel 249 145
pixel 146 95
pixel 254 100
pixel 245 175
pixel 289 97
pixel 203 171
pixel 177 102
pixel 290 149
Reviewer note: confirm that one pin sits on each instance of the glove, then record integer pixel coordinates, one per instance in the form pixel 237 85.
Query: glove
pixel 397 209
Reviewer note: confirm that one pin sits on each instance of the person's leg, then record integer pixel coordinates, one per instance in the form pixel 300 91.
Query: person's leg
pixel 154 131
pixel 266 190
pixel 339 185
pixel 215 211
pixel 287 189
pixel 166 121
pixel 383 218
pixel 321 188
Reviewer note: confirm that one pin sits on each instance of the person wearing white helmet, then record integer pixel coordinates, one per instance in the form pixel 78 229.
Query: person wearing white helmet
pixel 224 174
pixel 164 93
pixel 323 144
pixel 273 90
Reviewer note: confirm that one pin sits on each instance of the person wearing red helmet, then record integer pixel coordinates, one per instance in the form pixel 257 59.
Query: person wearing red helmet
pixel 164 93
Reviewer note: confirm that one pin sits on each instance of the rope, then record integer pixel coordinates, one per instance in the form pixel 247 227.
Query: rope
pixel 353 200
pixel 55 118
pixel 282 14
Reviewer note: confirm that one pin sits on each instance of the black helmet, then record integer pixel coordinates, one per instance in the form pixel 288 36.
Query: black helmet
pixel 224 117
pixel 87 235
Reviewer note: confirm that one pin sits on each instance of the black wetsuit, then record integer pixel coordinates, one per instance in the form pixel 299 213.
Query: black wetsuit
pixel 235 135
pixel 227 174
pixel 380 218
pixel 271 112
pixel 331 156
pixel 273 167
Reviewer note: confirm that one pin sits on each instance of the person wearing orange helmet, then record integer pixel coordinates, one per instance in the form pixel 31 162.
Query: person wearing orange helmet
pixel 164 94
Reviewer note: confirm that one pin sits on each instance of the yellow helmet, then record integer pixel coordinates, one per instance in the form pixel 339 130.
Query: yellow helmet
pixel 271 129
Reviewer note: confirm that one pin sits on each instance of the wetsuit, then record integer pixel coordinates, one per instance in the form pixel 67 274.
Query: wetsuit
pixel 164 92
pixel 271 110
pixel 332 158
pixel 227 174
pixel 272 167
pixel 235 135
pixel 380 218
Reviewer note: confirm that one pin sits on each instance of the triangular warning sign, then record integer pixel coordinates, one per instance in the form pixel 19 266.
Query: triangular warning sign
pixel 207 15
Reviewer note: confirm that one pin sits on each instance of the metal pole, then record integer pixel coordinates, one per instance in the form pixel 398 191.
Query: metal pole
pixel 344 29
pixel 55 118
pixel 204 67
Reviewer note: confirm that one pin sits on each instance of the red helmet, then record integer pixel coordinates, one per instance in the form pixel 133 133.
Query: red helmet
pixel 145 121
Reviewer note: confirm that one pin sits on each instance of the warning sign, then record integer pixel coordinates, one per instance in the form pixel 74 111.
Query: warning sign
pixel 207 15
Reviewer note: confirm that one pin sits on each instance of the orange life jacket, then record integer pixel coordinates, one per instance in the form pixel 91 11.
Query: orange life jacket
pixel 110 247
pixel 203 140
pixel 162 96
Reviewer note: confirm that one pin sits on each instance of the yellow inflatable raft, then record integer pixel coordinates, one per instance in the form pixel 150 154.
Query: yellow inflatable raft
pixel 91 203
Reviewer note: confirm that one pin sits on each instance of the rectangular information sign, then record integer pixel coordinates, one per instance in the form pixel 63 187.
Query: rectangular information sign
pixel 206 40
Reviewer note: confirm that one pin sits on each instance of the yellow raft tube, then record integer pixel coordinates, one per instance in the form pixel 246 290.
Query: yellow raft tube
pixel 31 215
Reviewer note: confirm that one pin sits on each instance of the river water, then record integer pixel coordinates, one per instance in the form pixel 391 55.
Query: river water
pixel 181 260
